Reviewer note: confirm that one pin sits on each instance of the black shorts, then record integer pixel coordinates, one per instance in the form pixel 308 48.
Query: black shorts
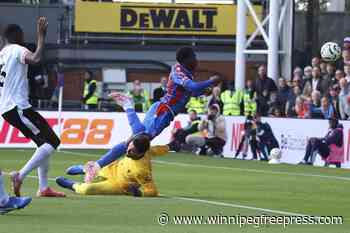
pixel 32 125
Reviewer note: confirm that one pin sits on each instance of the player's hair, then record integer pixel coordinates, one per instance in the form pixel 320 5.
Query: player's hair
pixel 192 110
pixel 13 34
pixel 141 143
pixel 185 54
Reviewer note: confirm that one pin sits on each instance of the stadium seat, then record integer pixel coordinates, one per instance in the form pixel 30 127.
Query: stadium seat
pixel 336 155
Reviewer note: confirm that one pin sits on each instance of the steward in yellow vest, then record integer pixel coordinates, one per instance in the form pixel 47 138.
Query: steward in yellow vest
pixel 90 97
pixel 249 103
pixel 232 102
pixel 197 104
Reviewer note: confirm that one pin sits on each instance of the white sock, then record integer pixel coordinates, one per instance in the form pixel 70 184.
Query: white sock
pixel 43 152
pixel 43 171
pixel 4 197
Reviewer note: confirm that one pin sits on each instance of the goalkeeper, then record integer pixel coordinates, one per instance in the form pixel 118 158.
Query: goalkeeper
pixel 131 175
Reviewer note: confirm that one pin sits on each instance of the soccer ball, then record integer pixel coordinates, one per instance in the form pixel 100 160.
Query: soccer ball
pixel 330 52
pixel 275 153
pixel 275 156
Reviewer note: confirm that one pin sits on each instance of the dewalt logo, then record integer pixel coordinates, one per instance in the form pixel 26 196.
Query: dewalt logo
pixel 168 19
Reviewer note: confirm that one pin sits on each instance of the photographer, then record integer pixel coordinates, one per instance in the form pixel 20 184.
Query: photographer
pixel 248 138
pixel 179 135
pixel 266 139
pixel 213 133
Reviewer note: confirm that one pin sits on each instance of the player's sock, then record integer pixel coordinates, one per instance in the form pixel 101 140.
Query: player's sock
pixel 43 171
pixel 65 183
pixel 134 122
pixel 4 197
pixel 113 154
pixel 43 152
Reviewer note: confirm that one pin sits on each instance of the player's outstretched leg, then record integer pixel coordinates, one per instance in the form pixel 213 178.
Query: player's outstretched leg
pixel 126 102
pixel 7 203
pixel 65 183
pixel 75 170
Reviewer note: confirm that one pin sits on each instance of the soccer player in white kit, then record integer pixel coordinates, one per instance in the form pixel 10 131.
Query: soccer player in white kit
pixel 16 109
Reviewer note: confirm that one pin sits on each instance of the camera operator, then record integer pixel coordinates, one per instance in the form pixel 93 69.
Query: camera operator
pixel 266 139
pixel 248 138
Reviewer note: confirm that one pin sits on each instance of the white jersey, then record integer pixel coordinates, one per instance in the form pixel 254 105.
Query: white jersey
pixel 14 89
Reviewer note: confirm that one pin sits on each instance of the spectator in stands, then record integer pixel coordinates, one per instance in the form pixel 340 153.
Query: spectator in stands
pixel 315 62
pixel 301 108
pixel 263 103
pixel 275 112
pixel 347 72
pixel 298 72
pixel 90 97
pixel 214 127
pixel 315 83
pixel 231 99
pixel 290 105
pixel 307 78
pixel 298 81
pixel 140 97
pixel 333 97
pixel 214 98
pixel 346 43
pixel 326 111
pixel 323 68
pixel 316 99
pixel 346 56
pixel 179 135
pixel 198 104
pixel 328 79
pixel 344 107
pixel 249 99
pixel 339 74
pixel 321 145
pixel 283 94
pixel 264 83
pixel 159 92
pixel 331 73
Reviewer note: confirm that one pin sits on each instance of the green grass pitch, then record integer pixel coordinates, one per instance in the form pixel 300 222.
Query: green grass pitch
pixel 190 185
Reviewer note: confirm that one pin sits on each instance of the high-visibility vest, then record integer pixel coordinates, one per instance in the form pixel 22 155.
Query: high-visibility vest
pixel 94 98
pixel 249 104
pixel 197 103
pixel 231 103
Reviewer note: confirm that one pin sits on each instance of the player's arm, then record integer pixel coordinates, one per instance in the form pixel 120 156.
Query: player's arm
pixel 34 58
pixel 198 88
pixel 159 150
pixel 147 187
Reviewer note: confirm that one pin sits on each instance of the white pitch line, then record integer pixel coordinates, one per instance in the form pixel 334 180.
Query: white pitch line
pixel 216 203
pixel 231 168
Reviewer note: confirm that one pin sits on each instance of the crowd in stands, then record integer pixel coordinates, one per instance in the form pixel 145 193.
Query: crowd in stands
pixel 317 91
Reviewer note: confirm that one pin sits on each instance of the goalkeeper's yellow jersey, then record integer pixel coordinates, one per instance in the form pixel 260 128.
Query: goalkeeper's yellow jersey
pixel 127 170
